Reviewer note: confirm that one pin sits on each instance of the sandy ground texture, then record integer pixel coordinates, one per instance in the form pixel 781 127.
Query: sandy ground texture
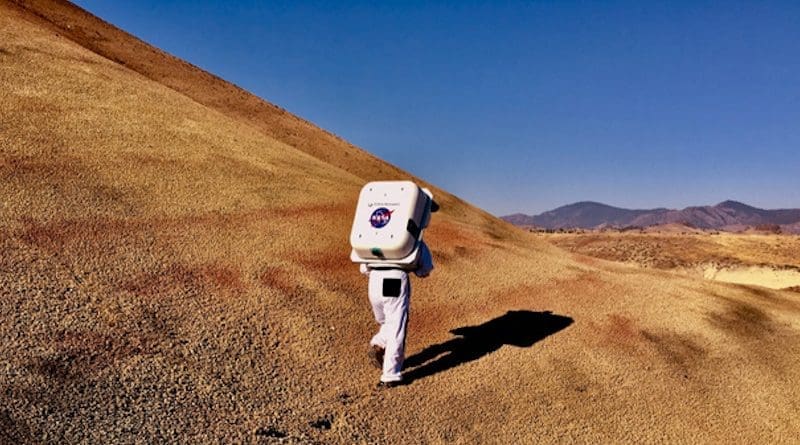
pixel 766 276
pixel 175 269
pixel 759 259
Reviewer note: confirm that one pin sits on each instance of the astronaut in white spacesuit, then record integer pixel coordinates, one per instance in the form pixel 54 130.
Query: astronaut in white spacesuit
pixel 390 295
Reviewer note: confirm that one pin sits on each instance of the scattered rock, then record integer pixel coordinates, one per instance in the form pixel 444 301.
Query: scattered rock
pixel 323 423
pixel 270 432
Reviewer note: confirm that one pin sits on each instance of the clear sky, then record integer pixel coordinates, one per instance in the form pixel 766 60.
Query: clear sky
pixel 523 106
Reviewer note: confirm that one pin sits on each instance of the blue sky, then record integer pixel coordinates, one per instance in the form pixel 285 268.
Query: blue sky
pixel 523 106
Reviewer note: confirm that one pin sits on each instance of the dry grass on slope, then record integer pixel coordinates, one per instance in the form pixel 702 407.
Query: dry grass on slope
pixel 171 273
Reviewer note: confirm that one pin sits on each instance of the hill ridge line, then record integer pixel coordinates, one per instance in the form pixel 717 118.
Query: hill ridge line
pixel 64 18
pixel 726 214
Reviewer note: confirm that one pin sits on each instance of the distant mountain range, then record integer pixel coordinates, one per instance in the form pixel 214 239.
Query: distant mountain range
pixel 727 215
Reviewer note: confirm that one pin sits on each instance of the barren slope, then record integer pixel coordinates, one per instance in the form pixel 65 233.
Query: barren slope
pixel 173 270
pixel 759 259
pixel 112 43
pixel 682 247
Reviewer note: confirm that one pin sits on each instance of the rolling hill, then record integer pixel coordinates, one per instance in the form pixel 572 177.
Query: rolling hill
pixel 175 268
pixel 725 215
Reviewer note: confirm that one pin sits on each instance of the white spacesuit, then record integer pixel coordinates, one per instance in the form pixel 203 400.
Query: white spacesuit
pixel 387 242
pixel 390 294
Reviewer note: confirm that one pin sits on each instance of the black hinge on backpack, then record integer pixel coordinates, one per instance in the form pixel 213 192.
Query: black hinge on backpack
pixel 413 229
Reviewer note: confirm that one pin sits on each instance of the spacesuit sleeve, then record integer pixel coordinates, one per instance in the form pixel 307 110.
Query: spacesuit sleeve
pixel 364 269
pixel 425 262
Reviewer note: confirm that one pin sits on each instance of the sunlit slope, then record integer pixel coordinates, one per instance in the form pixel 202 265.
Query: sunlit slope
pixel 173 272
pixel 203 87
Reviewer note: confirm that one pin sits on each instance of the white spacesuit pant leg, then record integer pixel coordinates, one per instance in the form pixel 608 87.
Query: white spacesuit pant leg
pixel 375 291
pixel 394 331
pixel 392 314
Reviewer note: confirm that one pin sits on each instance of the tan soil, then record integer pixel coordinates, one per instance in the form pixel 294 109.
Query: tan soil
pixel 175 269
pixel 668 250
pixel 767 260
pixel 756 275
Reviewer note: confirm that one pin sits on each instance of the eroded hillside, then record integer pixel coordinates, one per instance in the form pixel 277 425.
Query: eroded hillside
pixel 175 268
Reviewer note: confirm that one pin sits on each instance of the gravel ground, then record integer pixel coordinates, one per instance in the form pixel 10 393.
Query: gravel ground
pixel 175 268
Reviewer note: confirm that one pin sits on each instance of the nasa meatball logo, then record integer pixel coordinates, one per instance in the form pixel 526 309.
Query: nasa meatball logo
pixel 380 217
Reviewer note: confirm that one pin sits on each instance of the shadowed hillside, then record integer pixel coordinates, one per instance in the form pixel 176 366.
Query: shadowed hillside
pixel 175 268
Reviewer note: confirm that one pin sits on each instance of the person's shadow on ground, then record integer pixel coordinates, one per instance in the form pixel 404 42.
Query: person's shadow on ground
pixel 516 328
